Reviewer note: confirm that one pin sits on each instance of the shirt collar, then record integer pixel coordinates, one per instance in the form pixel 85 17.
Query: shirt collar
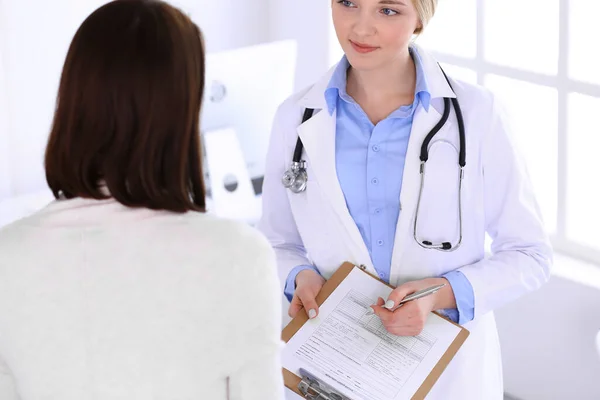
pixel 337 84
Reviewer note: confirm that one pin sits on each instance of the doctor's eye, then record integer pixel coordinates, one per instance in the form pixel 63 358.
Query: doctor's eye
pixel 389 12
pixel 346 3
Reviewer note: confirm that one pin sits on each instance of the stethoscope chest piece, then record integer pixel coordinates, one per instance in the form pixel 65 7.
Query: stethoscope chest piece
pixel 296 177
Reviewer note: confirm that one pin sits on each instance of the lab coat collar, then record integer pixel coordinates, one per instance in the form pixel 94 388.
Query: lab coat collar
pixel 315 97
pixel 438 85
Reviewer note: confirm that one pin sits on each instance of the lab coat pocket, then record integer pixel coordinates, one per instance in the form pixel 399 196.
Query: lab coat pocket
pixel 438 213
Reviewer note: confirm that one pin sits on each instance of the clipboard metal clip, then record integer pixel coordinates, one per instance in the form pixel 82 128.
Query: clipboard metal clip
pixel 312 388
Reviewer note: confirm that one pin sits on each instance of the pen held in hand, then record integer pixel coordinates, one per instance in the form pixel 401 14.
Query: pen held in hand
pixel 413 296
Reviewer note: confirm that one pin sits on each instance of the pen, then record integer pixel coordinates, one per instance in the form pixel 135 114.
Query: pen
pixel 413 296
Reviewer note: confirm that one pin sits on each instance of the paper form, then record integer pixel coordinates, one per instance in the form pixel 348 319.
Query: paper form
pixel 354 353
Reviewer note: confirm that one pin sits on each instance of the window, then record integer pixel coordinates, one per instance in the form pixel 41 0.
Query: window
pixel 548 79
pixel 529 105
pixel 536 57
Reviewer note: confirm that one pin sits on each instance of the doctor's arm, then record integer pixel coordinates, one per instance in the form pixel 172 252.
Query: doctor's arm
pixel 278 225
pixel 521 251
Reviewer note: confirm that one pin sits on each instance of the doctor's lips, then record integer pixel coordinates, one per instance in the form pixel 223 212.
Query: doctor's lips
pixel 362 48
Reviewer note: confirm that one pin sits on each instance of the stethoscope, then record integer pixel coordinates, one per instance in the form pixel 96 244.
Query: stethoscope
pixel 295 178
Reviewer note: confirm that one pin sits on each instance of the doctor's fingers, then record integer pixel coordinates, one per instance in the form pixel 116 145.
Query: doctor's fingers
pixel 404 327
pixel 295 306
pixel 308 299
pixel 304 299
pixel 378 308
pixel 408 320
pixel 404 330
pixel 383 313
pixel 400 293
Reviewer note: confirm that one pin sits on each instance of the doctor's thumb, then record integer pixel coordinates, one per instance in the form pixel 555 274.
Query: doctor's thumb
pixel 398 294
pixel 310 305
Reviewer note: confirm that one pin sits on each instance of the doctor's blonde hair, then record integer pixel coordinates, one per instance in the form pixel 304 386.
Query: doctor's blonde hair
pixel 425 10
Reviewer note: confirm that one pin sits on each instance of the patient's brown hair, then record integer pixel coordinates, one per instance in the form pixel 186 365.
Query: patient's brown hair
pixel 127 113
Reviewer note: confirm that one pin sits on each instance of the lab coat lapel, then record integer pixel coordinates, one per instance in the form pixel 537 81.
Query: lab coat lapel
pixel 318 137
pixel 423 123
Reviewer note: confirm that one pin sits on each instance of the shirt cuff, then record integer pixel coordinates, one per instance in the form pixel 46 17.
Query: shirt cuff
pixel 465 298
pixel 290 283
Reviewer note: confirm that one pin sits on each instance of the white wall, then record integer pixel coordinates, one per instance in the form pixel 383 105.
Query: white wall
pixel 548 337
pixel 34 38
pixel 33 48
pixel 229 24
pixel 307 22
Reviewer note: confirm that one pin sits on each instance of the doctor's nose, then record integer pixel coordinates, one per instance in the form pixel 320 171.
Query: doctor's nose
pixel 364 26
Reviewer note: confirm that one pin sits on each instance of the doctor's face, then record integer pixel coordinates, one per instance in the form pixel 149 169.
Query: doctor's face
pixel 374 33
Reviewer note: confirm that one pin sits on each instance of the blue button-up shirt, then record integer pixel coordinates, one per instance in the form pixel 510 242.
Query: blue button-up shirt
pixel 370 164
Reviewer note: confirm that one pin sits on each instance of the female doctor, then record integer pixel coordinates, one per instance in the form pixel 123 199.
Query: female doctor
pixel 391 165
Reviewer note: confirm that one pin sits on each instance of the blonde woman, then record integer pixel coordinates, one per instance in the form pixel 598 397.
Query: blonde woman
pixel 388 163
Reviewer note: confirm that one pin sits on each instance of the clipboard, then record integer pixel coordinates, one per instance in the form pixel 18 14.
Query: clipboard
pixel 292 381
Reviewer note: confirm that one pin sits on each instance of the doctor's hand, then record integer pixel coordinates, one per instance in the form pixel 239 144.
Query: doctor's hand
pixel 410 318
pixel 308 286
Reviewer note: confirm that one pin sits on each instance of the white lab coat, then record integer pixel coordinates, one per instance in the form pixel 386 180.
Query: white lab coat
pixel 315 227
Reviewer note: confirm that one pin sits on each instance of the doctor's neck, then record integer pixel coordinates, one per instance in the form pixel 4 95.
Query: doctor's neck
pixel 393 81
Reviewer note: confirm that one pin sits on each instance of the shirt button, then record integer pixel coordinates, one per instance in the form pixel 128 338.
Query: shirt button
pixel 380 242
pixel 378 211
pixel 375 148
pixel 374 181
